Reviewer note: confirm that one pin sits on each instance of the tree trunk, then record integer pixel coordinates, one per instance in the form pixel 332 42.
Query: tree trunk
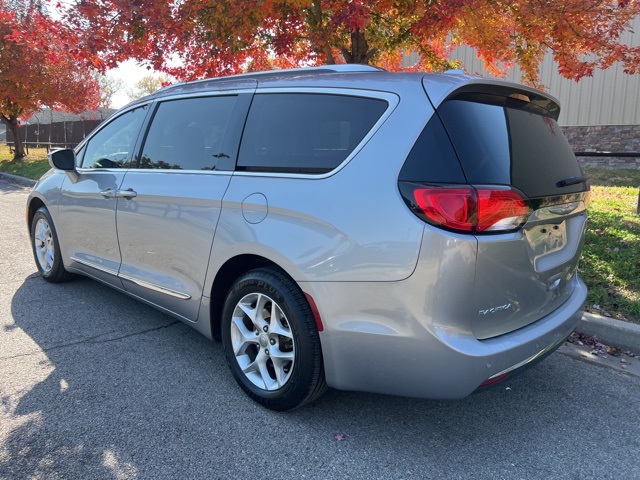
pixel 329 55
pixel 315 22
pixel 12 125
pixel 360 51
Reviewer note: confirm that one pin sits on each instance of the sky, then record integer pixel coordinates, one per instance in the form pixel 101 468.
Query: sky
pixel 129 72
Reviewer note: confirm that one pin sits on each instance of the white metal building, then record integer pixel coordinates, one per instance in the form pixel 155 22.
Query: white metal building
pixel 610 97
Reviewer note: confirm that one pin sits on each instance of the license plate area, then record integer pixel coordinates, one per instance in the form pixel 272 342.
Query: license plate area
pixel 546 239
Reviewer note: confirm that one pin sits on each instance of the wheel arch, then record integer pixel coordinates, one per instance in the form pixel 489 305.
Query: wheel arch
pixel 35 203
pixel 226 275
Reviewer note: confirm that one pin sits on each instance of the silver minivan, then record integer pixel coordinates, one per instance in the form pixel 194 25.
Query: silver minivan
pixel 400 233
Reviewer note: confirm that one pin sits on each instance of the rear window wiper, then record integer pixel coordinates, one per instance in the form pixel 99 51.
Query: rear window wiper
pixel 570 181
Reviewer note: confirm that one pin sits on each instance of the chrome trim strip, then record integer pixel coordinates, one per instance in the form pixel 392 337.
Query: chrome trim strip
pixel 154 287
pixel 142 283
pixel 552 212
pixel 180 172
pixel 110 271
pixel 530 359
pixel 565 209
pixel 208 92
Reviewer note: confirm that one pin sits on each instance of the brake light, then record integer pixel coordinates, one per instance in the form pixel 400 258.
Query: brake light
pixel 468 209
pixel 500 210
pixel 453 208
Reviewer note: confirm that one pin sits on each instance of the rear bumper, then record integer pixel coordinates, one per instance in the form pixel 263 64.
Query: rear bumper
pixel 385 338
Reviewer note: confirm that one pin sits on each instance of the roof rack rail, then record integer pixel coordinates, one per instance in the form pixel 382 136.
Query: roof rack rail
pixel 347 67
pixel 455 71
pixel 287 72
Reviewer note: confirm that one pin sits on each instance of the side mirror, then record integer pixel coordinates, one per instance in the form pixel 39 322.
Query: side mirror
pixel 64 159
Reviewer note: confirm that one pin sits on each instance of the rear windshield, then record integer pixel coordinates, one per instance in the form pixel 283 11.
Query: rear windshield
pixel 500 145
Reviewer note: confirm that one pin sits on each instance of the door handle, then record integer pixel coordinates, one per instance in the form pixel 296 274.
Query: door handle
pixel 129 193
pixel 108 193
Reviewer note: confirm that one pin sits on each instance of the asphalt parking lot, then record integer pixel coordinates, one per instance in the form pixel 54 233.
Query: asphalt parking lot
pixel 96 385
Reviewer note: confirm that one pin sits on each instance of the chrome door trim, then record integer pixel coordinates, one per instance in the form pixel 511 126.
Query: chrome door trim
pixel 156 288
pixel 110 271
pixel 142 283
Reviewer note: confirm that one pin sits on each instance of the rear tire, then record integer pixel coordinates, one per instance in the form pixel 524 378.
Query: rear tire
pixel 271 341
pixel 46 249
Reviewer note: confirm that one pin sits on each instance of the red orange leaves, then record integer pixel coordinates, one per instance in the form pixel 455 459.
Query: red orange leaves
pixel 41 66
pixel 211 37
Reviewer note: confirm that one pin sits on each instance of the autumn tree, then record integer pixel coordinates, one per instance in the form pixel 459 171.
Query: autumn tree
pixel 24 8
pixel 40 65
pixel 109 87
pixel 146 86
pixel 212 37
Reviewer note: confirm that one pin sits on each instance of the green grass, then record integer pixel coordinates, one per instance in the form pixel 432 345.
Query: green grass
pixel 32 166
pixel 610 264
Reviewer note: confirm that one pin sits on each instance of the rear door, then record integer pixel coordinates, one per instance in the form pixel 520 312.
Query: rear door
pixel 166 225
pixel 509 138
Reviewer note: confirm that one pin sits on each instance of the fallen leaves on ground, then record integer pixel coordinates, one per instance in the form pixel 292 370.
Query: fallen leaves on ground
pixel 599 348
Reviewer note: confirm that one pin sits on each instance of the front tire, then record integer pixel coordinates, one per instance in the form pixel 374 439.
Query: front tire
pixel 271 341
pixel 46 249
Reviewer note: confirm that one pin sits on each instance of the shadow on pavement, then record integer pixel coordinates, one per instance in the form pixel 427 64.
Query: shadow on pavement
pixel 114 389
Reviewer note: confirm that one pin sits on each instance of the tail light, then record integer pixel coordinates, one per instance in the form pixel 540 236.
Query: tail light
pixel 468 209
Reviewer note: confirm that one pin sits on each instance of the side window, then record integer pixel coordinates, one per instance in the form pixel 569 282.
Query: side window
pixel 112 146
pixel 432 158
pixel 304 132
pixel 187 134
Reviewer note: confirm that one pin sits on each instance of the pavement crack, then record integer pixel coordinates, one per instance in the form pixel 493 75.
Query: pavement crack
pixel 90 340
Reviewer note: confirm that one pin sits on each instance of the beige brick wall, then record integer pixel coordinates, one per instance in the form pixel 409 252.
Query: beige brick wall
pixel 605 138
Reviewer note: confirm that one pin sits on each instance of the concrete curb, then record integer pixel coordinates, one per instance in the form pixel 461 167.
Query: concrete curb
pixel 17 179
pixel 623 335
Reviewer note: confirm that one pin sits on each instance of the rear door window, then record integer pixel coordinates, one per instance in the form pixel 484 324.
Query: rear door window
pixel 305 132
pixel 501 145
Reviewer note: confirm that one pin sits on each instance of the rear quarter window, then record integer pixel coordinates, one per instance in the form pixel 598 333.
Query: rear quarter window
pixel 432 158
pixel 305 132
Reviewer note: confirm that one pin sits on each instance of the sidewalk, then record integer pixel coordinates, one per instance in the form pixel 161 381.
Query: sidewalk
pixel 624 335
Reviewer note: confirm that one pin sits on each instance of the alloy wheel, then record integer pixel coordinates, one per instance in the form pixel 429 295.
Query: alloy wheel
pixel 262 341
pixel 44 245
